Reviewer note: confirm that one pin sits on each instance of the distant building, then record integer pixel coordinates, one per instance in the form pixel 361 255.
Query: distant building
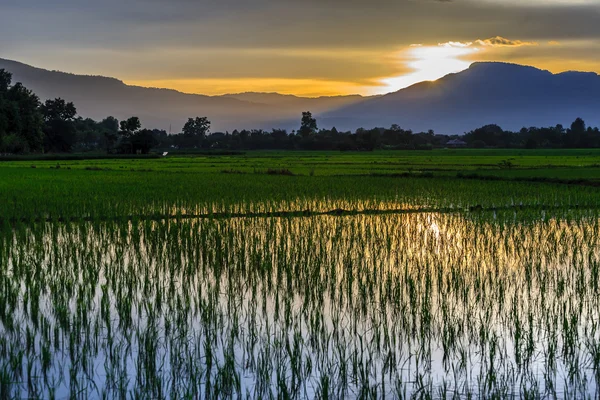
pixel 456 143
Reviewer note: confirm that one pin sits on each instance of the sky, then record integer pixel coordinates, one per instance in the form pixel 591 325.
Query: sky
pixel 303 47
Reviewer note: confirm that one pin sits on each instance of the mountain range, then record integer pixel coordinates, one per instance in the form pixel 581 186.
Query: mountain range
pixel 510 95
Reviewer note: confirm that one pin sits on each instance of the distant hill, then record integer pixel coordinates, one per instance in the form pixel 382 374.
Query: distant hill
pixel 289 102
pixel 98 97
pixel 510 95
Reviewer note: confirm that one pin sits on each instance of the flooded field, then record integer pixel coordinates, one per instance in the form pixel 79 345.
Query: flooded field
pixel 399 304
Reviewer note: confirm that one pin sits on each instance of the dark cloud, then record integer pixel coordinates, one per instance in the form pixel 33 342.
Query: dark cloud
pixel 276 23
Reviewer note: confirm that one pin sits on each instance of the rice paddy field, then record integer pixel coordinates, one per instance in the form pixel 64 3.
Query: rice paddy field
pixel 446 274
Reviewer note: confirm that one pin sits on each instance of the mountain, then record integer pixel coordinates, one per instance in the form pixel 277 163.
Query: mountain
pixel 98 97
pixel 294 103
pixel 510 95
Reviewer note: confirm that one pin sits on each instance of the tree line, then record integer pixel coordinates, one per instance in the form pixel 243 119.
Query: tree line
pixel 29 126
pixel 309 137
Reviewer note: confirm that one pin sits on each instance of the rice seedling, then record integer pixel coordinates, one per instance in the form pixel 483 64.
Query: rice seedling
pixel 427 305
pixel 245 285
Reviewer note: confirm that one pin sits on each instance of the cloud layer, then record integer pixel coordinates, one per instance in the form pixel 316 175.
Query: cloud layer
pixel 354 44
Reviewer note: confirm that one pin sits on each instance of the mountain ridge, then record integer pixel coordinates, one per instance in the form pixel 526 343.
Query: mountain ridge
pixel 98 97
pixel 510 95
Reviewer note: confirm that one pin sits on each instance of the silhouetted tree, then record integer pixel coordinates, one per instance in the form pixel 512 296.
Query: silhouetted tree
pixel 576 134
pixel 5 80
pixel 109 127
pixel 129 127
pixel 143 140
pixel 308 125
pixel 488 135
pixel 195 130
pixel 279 134
pixel 60 133
pixel 20 119
pixel 578 126
pixel 58 109
pixel 109 124
pixel 163 139
pixel 199 126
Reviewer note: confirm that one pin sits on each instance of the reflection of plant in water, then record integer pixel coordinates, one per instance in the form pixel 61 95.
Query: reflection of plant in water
pixel 350 306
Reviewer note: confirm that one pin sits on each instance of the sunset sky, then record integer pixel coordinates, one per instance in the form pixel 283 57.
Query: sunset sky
pixel 308 47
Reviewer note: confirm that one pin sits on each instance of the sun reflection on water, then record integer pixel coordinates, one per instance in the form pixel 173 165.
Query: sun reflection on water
pixel 393 302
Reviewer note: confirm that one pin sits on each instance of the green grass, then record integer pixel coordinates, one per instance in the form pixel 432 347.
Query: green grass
pixel 27 193
pixel 341 163
pixel 252 182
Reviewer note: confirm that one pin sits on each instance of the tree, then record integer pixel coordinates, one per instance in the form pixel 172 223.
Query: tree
pixel 488 135
pixel 195 131
pixel 5 81
pixel 109 127
pixel 129 127
pixel 143 140
pixel 127 131
pixel 367 140
pixel 279 134
pixel 59 136
pixel 23 117
pixel 58 109
pixel 308 125
pixel 576 136
pixel 60 133
pixel 163 139
pixel 109 124
pixel 197 127
pixel 578 126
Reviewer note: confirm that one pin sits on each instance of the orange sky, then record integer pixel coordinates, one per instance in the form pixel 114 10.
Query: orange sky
pixel 415 63
pixel 303 47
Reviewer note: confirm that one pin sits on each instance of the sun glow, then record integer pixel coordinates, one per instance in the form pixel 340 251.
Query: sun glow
pixel 373 72
pixel 430 63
